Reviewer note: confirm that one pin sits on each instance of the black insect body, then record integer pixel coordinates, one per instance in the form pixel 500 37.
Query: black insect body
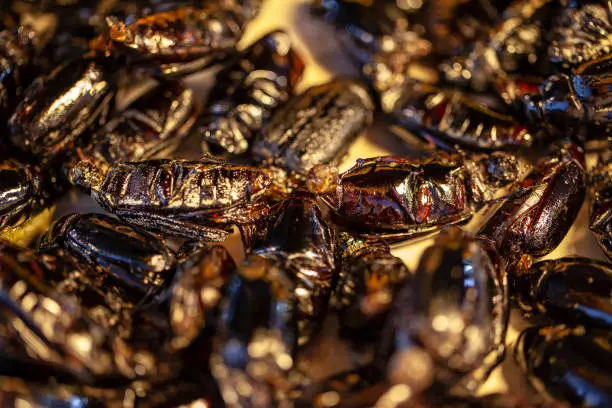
pixel 151 127
pixel 578 103
pixel 257 328
pixel 453 117
pixel 201 284
pixel 561 362
pixel 315 127
pixel 248 92
pixel 568 290
pixel 53 328
pixel 301 241
pixel 125 263
pixel 22 193
pixel 387 38
pixel 368 277
pixel 197 200
pixel 59 108
pixel 276 302
pixel 399 198
pixel 451 316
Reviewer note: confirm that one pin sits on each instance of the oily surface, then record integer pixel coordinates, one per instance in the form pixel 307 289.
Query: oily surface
pixel 323 58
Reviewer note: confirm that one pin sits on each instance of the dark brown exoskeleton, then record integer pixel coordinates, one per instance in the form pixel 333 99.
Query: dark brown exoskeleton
pixel 600 189
pixel 201 284
pixel 579 103
pixel 571 290
pixel 184 40
pixel 315 127
pixel 248 92
pixel 151 127
pixel 536 217
pixel 196 200
pixel 52 328
pixel 583 33
pixel 276 301
pixel 59 108
pixel 397 198
pixel 450 117
pixel 126 265
pixel 561 362
pixel 368 277
pixel 451 316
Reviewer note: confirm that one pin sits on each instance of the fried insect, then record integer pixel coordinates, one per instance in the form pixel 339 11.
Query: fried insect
pixel 578 103
pixel 560 362
pixel 571 290
pixel 515 50
pixel 315 127
pixel 53 329
pixel 367 279
pixel 196 200
pixel 399 199
pixel 183 40
pixel 388 37
pixel 248 93
pixel 151 127
pixel 257 329
pixel 21 193
pixel 451 317
pixel 448 27
pixel 453 117
pixel 59 108
pixel 201 284
pixel 126 265
pixel 535 218
pixel 301 241
pixel 276 301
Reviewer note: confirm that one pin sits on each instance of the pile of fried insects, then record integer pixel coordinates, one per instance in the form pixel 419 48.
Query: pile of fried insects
pixel 139 305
